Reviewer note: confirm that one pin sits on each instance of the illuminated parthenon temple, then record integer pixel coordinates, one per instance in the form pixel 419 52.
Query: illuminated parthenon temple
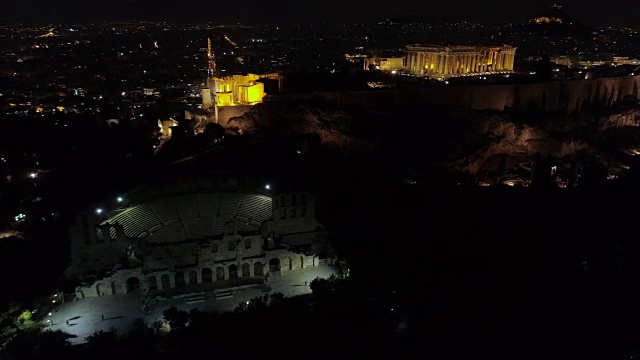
pixel 450 61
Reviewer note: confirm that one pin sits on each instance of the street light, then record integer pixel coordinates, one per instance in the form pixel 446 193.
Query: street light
pixel 98 211
pixel 268 187
pixel 119 199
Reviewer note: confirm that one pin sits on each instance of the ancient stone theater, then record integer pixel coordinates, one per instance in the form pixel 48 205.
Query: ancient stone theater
pixel 185 243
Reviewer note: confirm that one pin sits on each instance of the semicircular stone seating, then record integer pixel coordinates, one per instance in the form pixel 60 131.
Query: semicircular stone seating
pixel 193 216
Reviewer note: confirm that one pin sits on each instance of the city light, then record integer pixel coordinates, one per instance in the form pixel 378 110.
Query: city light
pixel 33 175
pixel 98 211
pixel 119 199
pixel 268 187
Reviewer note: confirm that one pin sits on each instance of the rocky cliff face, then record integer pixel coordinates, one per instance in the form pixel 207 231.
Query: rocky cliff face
pixel 463 144
pixel 335 126
pixel 492 135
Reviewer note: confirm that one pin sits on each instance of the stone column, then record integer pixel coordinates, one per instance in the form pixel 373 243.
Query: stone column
pixel 414 62
pixel 447 64
pixel 427 61
pixel 493 61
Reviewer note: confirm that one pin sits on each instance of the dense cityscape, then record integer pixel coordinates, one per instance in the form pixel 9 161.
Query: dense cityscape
pixel 401 187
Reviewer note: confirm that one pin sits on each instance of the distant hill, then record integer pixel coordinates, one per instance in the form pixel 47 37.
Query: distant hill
pixel 416 18
pixel 553 15
pixel 555 22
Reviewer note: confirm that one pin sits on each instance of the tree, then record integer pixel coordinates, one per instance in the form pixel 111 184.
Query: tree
pixel 37 344
pixel 213 131
pixel 140 337
pixel 101 341
pixel 177 318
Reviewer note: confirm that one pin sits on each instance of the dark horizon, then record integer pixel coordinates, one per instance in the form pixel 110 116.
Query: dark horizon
pixel 288 12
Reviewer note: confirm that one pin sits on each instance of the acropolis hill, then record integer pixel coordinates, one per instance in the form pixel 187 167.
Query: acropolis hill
pixel 460 127
pixel 567 96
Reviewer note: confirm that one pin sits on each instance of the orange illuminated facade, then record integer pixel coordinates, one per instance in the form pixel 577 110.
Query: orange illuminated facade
pixel 451 61
pixel 236 90
pixel 384 64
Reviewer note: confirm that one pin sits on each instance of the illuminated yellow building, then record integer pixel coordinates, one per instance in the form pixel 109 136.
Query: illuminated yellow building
pixel 451 61
pixel 384 64
pixel 238 89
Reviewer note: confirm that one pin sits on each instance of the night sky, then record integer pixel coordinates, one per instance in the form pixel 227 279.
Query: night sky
pixel 621 12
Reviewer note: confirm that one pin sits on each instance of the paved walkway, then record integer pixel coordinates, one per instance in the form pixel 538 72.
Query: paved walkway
pixel 83 317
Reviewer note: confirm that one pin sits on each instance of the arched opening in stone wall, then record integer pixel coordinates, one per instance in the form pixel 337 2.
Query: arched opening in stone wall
pixel 301 262
pixel 153 283
pixel 99 290
pixel 290 263
pixel 219 273
pixel 113 288
pixel 257 269
pixel 233 271
pixel 274 264
pixel 206 275
pixel 193 277
pixel 246 270
pixel 165 280
pixel 133 284
pixel 179 279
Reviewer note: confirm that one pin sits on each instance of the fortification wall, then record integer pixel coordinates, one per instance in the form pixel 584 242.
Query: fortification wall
pixel 563 95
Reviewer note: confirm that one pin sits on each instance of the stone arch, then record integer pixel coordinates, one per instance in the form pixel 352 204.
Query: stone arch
pixel 165 281
pixel 133 284
pixel 99 289
pixel 130 252
pixel 193 277
pixel 258 268
pixel 233 271
pixel 246 270
pixel 220 273
pixel 179 279
pixel 153 283
pixel 274 264
pixel 207 276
